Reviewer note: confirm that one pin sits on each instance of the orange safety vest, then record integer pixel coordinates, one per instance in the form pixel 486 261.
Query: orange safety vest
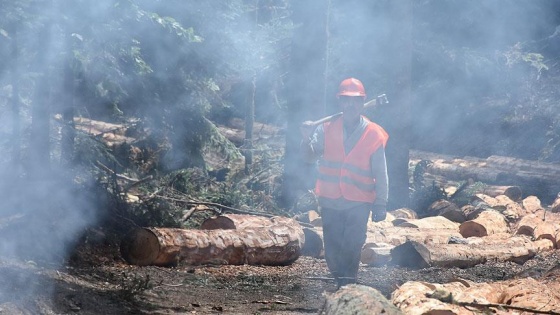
pixel 349 175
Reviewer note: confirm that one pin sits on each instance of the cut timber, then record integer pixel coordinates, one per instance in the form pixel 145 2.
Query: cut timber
pixel 272 245
pixel 418 298
pixel 358 299
pixel 307 217
pixel 517 249
pixel 488 222
pixel 241 221
pixel 555 207
pixel 437 222
pixel 313 246
pixel 404 213
pixel 512 192
pixel 533 177
pixel 376 255
pixel 527 224
pixel 532 204
pixel 511 210
pixel 446 209
pixel 396 235
pixel 499 297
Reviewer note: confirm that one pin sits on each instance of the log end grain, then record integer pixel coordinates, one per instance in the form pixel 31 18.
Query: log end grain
pixel 472 228
pixel 141 247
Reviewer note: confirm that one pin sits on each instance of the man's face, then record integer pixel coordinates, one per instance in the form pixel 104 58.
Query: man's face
pixel 351 105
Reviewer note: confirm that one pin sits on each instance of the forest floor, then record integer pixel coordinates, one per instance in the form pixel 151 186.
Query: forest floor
pixel 96 280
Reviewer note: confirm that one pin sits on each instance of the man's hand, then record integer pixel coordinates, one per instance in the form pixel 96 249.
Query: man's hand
pixel 378 213
pixel 306 129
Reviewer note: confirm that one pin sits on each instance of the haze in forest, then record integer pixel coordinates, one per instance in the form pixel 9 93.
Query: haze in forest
pixel 481 76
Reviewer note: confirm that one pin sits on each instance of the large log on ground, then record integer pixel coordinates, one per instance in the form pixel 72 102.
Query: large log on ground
pixel 488 222
pixel 272 245
pixel 517 249
pixel 437 222
pixel 396 235
pixel 359 300
pixel 447 209
pixel 376 255
pixel 511 210
pixel 534 177
pixel 313 246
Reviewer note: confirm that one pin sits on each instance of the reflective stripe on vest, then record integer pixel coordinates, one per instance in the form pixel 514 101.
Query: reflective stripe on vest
pixel 349 175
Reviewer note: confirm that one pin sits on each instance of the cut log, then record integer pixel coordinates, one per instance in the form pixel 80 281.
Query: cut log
pixel 403 213
pixel 512 192
pixel 517 249
pixel 555 207
pixel 447 209
pixel 488 222
pixel 241 221
pixel 511 210
pixel 461 297
pixel 546 230
pixel 358 299
pixel 419 298
pixel 437 222
pixel 313 246
pixel 527 224
pixel 532 204
pixel 396 235
pixel 272 245
pixel 376 256
pixel 533 177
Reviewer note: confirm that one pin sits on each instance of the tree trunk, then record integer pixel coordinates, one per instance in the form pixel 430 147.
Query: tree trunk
pixel 533 177
pixel 437 222
pixel 397 235
pixel 15 102
pixel 376 255
pixel 446 209
pixel 517 248
pixel 486 223
pixel 313 246
pixel 273 245
pixel 359 300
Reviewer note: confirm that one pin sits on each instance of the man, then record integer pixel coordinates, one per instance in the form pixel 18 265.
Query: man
pixel 352 179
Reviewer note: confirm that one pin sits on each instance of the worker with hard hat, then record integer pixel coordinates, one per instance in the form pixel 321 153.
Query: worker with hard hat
pixel 352 178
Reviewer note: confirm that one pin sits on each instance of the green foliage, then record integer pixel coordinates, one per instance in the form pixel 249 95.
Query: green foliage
pixel 422 195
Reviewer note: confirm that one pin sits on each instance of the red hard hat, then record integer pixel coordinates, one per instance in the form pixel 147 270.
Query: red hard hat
pixel 351 87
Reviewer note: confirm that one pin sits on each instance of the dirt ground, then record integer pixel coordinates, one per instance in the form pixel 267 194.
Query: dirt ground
pixel 95 280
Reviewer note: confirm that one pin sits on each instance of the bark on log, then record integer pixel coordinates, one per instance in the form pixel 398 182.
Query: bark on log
pixel 437 222
pixel 517 249
pixel 488 222
pixel 272 245
pixel 358 299
pixel 450 187
pixel 396 235
pixel 532 204
pixel 241 221
pixel 446 209
pixel 511 210
pixel 534 178
pixel 415 297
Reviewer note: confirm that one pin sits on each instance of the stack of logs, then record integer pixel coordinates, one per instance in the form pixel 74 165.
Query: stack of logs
pixel 490 228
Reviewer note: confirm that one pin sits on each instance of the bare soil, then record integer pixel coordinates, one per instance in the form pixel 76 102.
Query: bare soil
pixel 95 280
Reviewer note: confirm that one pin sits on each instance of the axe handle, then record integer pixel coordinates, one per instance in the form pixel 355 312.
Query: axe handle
pixel 371 104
